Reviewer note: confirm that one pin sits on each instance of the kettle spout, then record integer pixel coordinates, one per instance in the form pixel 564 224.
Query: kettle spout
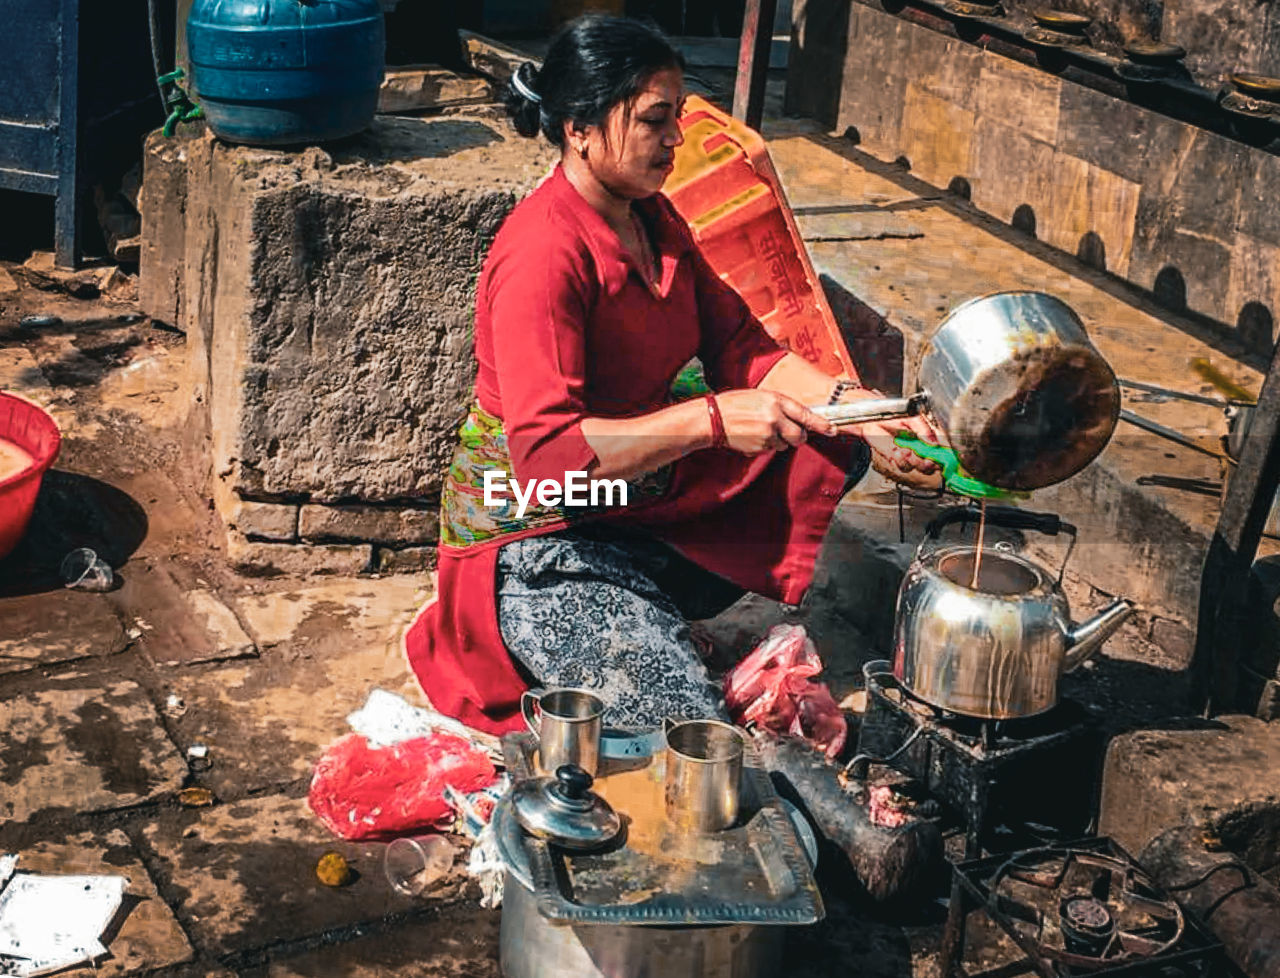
pixel 1087 637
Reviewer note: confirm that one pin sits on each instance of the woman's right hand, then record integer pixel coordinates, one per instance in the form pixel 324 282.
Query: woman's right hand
pixel 758 421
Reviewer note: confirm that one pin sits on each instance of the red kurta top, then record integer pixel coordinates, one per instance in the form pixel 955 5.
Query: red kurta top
pixel 568 328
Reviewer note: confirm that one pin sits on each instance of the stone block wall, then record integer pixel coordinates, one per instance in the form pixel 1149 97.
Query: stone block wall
pixel 1174 209
pixel 327 298
pixel 1220 36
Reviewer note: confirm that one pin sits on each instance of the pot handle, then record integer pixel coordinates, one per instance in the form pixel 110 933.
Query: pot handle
pixel 1011 518
pixel 1008 517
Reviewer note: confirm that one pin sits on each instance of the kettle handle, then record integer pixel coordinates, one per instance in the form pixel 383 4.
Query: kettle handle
pixel 531 710
pixel 1009 517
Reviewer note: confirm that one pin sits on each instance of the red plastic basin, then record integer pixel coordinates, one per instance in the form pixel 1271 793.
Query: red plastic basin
pixel 31 429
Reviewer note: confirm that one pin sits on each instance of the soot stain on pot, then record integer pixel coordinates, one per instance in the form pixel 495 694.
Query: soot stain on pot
pixel 1066 401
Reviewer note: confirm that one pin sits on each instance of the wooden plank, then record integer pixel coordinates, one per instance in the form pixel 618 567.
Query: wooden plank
pixel 753 61
pixel 1224 582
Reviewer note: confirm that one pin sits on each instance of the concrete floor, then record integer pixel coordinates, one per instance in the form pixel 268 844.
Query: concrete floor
pixel 267 669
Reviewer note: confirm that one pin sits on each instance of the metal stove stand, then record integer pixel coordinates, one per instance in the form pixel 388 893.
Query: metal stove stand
pixel 1085 908
pixel 970 763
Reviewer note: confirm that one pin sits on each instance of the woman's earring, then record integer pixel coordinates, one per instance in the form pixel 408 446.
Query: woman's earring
pixel 582 151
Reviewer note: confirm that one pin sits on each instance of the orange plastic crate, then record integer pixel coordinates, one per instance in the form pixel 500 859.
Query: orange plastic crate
pixel 724 185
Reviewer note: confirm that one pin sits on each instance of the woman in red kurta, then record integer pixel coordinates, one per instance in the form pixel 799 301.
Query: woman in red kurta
pixel 591 301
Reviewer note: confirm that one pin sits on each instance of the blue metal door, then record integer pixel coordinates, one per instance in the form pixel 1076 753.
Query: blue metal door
pixel 75 99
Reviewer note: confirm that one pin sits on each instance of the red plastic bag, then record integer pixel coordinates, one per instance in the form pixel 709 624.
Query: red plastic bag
pixel 363 792
pixel 773 687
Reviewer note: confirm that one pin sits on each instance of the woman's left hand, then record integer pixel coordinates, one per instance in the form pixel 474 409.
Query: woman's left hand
pixel 900 464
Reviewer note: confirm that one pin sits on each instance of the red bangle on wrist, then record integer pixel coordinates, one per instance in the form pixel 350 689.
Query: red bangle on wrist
pixel 719 439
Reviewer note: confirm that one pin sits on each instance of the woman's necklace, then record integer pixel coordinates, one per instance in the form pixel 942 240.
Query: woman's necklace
pixel 648 263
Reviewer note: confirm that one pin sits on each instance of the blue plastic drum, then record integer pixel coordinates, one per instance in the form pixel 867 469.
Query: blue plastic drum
pixel 280 72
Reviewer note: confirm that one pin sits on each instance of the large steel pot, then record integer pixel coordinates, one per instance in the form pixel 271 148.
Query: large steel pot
pixel 530 946
pixel 997 650
pixel 1012 379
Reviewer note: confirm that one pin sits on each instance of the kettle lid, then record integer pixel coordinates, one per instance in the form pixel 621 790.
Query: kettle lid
pixel 565 811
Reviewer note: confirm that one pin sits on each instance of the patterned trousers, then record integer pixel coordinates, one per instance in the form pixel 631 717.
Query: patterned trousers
pixel 608 610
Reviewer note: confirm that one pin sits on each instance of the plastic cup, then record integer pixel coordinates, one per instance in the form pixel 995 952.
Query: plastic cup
pixel 84 570
pixel 416 863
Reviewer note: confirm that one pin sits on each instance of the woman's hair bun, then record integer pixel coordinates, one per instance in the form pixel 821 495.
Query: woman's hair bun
pixel 593 63
pixel 523 103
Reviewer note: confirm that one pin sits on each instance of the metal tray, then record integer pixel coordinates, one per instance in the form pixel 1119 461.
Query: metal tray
pixel 755 872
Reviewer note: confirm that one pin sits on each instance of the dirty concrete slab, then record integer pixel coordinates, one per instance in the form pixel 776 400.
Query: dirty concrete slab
pixel 107 493
pixel 851 941
pixel 55 627
pixel 127 368
pixel 21 374
pixel 374 610
pixel 266 723
pixel 179 616
pixel 218 621
pixel 176 525
pixel 851 190
pixel 118 395
pixel 461 942
pixel 1154 780
pixel 84 748
pixel 857 225
pixel 242 876
pixel 324 650
pixel 145 935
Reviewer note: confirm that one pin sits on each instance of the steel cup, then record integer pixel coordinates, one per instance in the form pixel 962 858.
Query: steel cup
pixel 704 772
pixel 567 723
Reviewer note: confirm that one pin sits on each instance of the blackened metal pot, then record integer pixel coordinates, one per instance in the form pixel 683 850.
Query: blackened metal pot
pixel 1012 379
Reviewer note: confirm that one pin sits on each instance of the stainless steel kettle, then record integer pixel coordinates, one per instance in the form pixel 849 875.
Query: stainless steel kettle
pixel 996 650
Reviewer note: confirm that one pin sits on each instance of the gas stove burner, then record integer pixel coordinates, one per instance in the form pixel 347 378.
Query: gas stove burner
pixel 1083 908
pixel 982 732
pixel 1087 925
pixel 1029 769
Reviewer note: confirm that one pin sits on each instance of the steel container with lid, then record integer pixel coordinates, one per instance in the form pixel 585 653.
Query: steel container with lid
pixel 531 946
